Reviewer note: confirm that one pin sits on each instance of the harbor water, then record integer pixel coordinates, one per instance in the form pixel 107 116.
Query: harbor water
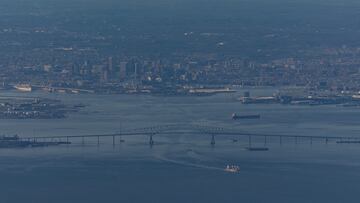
pixel 182 168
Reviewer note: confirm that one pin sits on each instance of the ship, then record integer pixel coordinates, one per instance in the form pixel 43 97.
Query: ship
pixel 232 169
pixel 237 117
pixel 9 138
pixel 257 149
pixel 80 105
pixel 23 88
pixel 348 142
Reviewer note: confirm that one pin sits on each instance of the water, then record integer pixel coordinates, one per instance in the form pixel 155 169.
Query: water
pixel 183 168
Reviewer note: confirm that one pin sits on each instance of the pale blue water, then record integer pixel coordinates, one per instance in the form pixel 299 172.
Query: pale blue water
pixel 183 168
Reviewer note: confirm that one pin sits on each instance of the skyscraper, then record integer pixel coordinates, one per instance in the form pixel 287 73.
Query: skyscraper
pixel 110 64
pixel 122 71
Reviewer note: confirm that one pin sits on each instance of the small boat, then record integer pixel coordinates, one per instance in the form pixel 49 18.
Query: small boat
pixel 257 149
pixel 232 169
pixel 237 117
pixel 23 87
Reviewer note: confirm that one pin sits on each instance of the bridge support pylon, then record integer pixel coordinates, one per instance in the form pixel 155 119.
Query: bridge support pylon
pixel 151 141
pixel 212 140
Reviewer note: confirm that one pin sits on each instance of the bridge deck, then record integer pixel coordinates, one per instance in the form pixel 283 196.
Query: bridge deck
pixel 186 132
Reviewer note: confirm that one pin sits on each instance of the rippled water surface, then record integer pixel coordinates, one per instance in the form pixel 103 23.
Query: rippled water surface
pixel 183 168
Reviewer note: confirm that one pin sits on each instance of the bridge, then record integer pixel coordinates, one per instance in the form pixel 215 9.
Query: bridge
pixel 189 129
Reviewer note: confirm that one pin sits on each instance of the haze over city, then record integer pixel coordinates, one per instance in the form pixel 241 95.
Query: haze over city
pixel 179 100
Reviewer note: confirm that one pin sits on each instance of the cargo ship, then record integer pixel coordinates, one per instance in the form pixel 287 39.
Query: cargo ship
pixel 9 138
pixel 348 142
pixel 237 117
pixel 257 149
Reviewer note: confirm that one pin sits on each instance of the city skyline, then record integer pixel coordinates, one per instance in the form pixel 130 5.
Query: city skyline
pixel 202 101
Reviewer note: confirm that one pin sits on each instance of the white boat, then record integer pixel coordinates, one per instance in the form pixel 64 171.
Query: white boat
pixel 232 169
pixel 23 88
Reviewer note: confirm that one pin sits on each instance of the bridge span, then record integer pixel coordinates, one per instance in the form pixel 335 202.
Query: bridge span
pixel 196 130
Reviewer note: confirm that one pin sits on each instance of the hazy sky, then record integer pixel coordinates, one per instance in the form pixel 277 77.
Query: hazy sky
pixel 245 22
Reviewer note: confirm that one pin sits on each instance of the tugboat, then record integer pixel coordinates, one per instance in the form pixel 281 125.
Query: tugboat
pixel 232 169
pixel 237 117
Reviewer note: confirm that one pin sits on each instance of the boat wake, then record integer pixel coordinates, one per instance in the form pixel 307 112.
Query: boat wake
pixel 191 155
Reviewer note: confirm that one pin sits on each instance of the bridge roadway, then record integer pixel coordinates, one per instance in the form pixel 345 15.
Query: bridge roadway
pixel 177 130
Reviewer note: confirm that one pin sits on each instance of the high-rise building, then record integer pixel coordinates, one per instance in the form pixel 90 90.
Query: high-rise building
pixel 105 76
pixel 123 66
pixel 136 71
pixel 110 64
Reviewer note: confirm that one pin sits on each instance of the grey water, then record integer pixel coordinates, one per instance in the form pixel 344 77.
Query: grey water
pixel 182 168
